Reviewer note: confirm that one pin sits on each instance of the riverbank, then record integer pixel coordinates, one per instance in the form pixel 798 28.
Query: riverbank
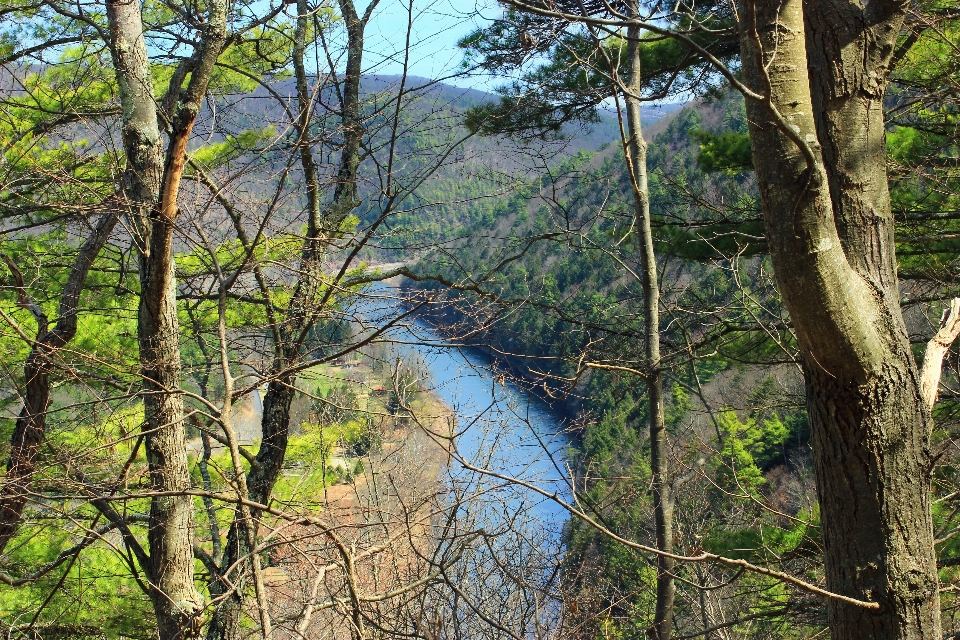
pixel 393 519
pixel 373 514
pixel 449 321
pixel 412 456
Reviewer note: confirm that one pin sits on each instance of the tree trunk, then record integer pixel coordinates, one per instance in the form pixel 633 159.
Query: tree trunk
pixel 660 485
pixel 302 313
pixel 170 533
pixel 275 425
pixel 830 232
pixel 31 424
pixel 152 186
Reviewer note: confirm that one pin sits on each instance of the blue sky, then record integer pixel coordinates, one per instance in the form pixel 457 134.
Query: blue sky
pixel 437 26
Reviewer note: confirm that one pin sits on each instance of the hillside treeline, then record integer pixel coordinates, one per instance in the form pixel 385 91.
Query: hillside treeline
pixel 224 230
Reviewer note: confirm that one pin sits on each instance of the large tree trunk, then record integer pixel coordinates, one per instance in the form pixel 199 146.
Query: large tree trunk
pixel 828 223
pixel 660 485
pixel 175 597
pixel 275 425
pixel 153 188
pixel 175 600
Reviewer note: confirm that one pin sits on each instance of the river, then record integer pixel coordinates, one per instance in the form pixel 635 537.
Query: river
pixel 501 427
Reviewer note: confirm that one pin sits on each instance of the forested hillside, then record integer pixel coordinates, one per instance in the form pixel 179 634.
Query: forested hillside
pixel 733 399
pixel 652 337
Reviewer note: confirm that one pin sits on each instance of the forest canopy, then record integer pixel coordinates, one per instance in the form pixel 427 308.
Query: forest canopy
pixel 627 319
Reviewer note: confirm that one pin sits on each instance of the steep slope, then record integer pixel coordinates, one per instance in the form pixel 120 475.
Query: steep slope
pixel 545 282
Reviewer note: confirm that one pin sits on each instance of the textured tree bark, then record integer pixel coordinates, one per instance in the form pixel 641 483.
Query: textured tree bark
pixel 152 188
pixel 302 313
pixel 170 533
pixel 830 231
pixel 175 600
pixel 660 485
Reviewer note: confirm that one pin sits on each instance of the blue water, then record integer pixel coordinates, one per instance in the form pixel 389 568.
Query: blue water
pixel 501 427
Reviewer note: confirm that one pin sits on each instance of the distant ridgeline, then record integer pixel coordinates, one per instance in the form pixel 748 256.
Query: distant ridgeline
pixel 442 180
pixel 480 183
pixel 446 184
